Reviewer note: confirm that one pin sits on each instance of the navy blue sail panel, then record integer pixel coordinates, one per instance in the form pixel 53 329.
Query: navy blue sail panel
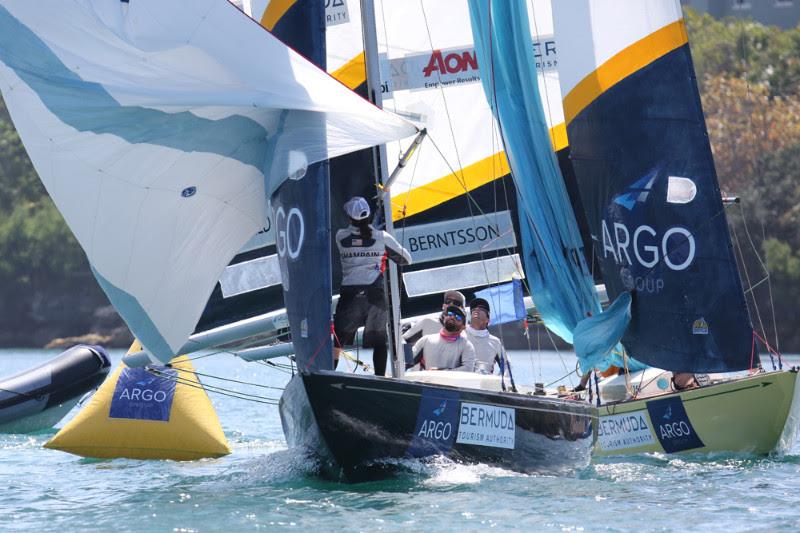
pixel 301 213
pixel 559 279
pixel 643 162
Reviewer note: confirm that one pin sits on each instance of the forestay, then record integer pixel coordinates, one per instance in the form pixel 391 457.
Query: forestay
pixel 159 140
pixel 647 180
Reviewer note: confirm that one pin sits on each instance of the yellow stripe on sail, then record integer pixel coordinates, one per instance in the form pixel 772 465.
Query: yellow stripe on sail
pixel 448 187
pixel 630 60
pixel 275 10
pixel 470 178
pixel 558 136
pixel 353 73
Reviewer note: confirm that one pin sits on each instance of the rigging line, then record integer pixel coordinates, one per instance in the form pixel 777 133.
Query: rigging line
pixel 561 357
pixel 212 388
pixel 756 284
pixel 196 373
pixel 24 394
pixel 769 285
pixel 546 104
pixel 565 376
pixel 749 282
pixel 763 266
pixel 285 370
pixel 222 391
pixel 388 82
pixel 441 91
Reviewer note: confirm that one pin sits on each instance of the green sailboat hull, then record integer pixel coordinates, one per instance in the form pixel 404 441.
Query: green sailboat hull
pixel 757 414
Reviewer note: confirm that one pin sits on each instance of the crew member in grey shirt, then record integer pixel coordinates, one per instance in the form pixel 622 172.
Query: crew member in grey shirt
pixel 448 349
pixel 429 326
pixel 488 348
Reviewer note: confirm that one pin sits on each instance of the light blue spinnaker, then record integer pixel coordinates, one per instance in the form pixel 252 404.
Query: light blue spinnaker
pixel 559 279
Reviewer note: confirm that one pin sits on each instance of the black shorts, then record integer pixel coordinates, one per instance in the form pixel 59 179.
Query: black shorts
pixel 361 306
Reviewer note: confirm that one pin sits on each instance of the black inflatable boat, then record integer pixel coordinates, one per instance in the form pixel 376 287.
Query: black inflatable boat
pixel 38 398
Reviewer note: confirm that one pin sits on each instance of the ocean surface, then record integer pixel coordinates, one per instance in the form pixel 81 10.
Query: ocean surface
pixel 262 486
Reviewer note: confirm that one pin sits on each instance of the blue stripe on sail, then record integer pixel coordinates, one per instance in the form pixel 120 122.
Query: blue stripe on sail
pixel 137 319
pixel 87 106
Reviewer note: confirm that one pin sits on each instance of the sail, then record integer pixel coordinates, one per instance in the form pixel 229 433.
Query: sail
pixel 647 181
pixel 559 278
pixel 159 141
pixel 301 210
pixel 454 207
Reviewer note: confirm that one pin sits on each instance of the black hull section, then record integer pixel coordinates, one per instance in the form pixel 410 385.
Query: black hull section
pixel 53 387
pixel 359 422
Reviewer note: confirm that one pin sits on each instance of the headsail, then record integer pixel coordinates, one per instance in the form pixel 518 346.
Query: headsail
pixel 647 180
pixel 159 141
pixel 559 278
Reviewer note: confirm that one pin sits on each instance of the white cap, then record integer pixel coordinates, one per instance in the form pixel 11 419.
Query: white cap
pixel 356 208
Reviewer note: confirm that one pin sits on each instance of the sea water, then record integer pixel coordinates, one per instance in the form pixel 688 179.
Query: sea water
pixel 264 486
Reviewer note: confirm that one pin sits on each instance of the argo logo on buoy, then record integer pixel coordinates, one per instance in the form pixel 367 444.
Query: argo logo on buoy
pixel 140 395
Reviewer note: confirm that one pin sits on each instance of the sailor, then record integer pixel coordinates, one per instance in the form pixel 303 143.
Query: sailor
pixel 428 325
pixel 488 348
pixel 447 349
pixel 363 251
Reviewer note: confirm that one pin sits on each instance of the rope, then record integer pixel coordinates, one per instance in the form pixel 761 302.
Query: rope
pixel 212 388
pixel 196 373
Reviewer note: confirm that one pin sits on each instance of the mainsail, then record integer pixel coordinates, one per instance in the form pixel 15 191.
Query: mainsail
pixel 159 141
pixel 454 207
pixel 647 180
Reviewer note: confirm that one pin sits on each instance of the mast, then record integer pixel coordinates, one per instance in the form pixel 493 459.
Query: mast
pixel 381 175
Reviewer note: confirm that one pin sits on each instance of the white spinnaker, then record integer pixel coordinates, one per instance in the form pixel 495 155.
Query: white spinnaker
pixel 159 140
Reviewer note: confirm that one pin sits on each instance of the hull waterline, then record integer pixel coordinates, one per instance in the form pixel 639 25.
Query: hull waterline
pixel 362 423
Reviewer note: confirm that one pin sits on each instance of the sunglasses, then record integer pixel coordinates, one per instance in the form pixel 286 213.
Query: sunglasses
pixel 456 315
pixel 452 302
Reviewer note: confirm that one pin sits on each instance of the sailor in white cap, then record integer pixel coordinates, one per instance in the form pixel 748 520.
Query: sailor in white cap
pixel 363 251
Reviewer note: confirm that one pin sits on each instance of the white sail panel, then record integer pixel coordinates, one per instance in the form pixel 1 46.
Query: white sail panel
pixel 430 74
pixel 158 140
pixel 597 30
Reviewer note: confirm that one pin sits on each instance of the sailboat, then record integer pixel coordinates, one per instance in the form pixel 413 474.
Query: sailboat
pixel 646 176
pixel 360 424
pixel 162 146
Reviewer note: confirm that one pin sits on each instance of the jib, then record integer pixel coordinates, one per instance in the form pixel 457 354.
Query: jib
pixel 452 63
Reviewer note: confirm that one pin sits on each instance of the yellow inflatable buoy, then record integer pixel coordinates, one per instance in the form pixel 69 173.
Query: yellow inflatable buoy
pixel 138 415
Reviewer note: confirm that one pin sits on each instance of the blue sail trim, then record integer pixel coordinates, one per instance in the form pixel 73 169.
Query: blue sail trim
pixel 597 337
pixel 137 318
pixel 559 279
pixel 648 185
pixel 88 107
pixel 306 267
